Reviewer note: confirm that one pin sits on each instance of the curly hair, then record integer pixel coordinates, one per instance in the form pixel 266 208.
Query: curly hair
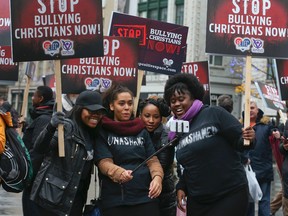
pixel 160 103
pixel 182 82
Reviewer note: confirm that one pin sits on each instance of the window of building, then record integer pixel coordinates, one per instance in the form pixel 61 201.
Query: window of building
pixel 153 14
pixel 163 14
pixel 216 60
pixel 155 9
pixel 179 14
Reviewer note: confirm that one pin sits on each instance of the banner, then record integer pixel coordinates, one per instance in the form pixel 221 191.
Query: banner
pixel 162 45
pixel 282 78
pixel 270 96
pixel 201 71
pixel 8 69
pixel 5 23
pixel 51 30
pixel 119 64
pixel 257 28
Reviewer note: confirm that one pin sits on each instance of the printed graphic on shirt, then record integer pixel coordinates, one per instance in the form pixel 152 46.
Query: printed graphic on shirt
pixel 198 135
pixel 125 141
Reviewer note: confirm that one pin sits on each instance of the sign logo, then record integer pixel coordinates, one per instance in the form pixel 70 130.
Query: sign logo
pixel 92 84
pixel 51 47
pixel 257 45
pixel 67 48
pixel 168 63
pixel 242 44
pixel 105 84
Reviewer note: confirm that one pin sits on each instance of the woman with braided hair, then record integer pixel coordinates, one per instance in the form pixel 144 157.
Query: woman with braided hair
pixel 152 111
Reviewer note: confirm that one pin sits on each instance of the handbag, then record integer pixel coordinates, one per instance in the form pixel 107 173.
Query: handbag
pixel 254 187
pixel 93 208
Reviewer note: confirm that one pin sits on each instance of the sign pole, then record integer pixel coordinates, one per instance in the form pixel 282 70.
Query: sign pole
pixel 61 147
pixel 30 70
pixel 247 95
pixel 139 83
pixel 24 105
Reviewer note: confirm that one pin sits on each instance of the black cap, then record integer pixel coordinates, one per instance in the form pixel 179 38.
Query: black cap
pixel 91 100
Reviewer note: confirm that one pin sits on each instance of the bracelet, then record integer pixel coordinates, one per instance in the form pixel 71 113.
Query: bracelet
pixel 159 176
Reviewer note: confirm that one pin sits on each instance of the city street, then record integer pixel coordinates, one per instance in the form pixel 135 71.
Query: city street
pixel 10 203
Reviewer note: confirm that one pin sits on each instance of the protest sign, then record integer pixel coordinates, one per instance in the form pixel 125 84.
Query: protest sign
pixel 119 64
pixel 201 71
pixel 47 30
pixel 282 78
pixel 5 23
pixel 247 28
pixel 270 96
pixel 8 69
pixel 162 45
pixel 257 28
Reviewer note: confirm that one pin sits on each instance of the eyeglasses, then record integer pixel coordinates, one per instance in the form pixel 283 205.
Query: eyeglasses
pixel 96 112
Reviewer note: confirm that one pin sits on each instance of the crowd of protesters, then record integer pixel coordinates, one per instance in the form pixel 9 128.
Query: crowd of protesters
pixel 103 130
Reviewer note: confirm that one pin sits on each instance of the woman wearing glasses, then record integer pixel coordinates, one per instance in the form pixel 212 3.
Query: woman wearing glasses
pixel 61 185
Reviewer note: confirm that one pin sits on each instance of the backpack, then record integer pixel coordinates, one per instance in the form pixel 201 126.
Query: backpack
pixel 16 170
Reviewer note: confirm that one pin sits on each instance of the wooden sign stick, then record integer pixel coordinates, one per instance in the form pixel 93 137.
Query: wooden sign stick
pixel 139 83
pixel 247 95
pixel 24 105
pixel 282 117
pixel 61 146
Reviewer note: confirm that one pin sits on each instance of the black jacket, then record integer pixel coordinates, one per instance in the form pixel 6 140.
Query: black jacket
pixel 61 180
pixel 168 195
pixel 261 155
pixel 285 162
pixel 40 118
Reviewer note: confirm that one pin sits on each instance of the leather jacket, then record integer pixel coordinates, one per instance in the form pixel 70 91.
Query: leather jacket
pixel 59 178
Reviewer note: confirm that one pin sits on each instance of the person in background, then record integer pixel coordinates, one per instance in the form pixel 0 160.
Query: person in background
pixel 213 179
pixel 284 151
pixel 61 185
pixel 2 99
pixel 260 157
pixel 68 101
pixel 278 200
pixel 5 121
pixel 124 144
pixel 13 112
pixel 152 111
pixel 41 112
pixel 226 102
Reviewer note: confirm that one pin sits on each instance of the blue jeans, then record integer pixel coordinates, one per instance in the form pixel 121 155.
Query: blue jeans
pixel 264 203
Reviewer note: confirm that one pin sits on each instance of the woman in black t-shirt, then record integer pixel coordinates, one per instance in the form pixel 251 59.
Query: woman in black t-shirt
pixel 122 145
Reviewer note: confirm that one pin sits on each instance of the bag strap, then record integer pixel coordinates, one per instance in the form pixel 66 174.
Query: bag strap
pixel 95 181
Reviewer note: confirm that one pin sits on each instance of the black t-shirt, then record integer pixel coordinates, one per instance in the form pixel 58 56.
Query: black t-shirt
pixel 127 152
pixel 209 156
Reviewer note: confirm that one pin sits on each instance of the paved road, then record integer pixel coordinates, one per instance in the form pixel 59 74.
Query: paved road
pixel 10 203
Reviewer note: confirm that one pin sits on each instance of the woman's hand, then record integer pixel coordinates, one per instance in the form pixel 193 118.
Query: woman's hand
pixel 248 133
pixel 276 134
pixel 155 187
pixel 181 200
pixel 285 143
pixel 125 176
